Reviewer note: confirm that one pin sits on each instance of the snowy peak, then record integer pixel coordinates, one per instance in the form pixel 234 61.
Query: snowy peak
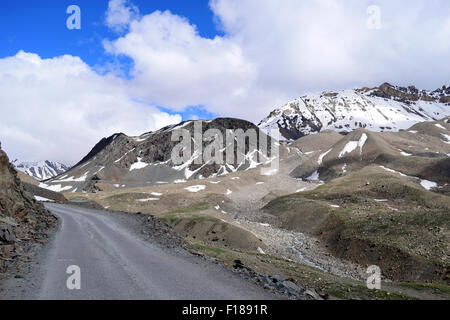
pixel 41 170
pixel 384 108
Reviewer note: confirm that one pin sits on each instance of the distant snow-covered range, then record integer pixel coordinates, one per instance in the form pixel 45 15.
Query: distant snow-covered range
pixel 384 108
pixel 41 170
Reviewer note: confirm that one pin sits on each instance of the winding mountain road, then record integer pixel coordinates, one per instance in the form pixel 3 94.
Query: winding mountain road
pixel 116 263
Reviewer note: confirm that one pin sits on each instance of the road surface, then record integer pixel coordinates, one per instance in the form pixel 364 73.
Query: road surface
pixel 116 263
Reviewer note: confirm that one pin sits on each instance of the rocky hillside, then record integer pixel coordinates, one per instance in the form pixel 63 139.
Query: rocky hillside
pixel 122 161
pixel 41 170
pixel 421 153
pixel 383 199
pixel 383 108
pixel 23 220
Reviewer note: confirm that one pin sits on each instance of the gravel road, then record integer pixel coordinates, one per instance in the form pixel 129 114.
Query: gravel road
pixel 116 263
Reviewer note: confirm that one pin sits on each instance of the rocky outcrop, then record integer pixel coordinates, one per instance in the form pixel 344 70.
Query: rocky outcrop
pixel 411 94
pixel 23 220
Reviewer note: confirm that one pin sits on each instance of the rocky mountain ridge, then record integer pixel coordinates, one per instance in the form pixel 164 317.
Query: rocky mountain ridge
pixel 121 161
pixel 383 108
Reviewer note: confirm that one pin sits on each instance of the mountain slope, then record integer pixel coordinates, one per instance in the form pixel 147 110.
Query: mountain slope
pixel 384 108
pixel 122 161
pixel 422 155
pixel 41 170
pixel 375 217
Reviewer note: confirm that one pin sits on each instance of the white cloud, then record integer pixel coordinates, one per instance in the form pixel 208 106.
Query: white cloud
pixel 175 67
pixel 120 13
pixel 59 108
pixel 273 51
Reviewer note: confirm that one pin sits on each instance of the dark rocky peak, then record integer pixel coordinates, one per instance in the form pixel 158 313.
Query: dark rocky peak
pixel 99 147
pixel 411 93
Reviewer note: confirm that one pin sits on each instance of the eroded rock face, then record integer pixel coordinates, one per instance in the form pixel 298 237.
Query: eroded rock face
pixel 411 93
pixel 23 220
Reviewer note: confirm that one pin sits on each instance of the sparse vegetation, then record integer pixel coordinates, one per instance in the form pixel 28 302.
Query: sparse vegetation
pixel 373 217
pixel 323 282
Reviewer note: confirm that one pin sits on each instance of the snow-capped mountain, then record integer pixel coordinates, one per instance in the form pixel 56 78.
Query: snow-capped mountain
pixel 383 108
pixel 41 170
pixel 122 161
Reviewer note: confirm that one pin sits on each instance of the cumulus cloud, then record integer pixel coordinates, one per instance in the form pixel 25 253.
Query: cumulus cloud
pixel 273 51
pixel 175 67
pixel 120 13
pixel 59 108
pixel 270 52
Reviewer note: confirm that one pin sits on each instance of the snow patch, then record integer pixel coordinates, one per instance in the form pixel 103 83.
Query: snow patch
pixel 73 179
pixel 319 161
pixel 403 153
pixel 314 176
pixel 393 171
pixel 43 199
pixel 352 145
pixel 428 184
pixel 156 194
pixel 446 136
pixel 424 183
pixel 148 199
pixel 138 165
pixel 195 188
pixel 56 187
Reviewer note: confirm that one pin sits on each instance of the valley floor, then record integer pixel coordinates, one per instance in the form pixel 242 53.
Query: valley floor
pixel 225 220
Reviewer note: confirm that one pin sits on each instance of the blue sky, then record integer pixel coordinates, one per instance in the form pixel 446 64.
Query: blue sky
pixel 40 27
pixel 62 90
